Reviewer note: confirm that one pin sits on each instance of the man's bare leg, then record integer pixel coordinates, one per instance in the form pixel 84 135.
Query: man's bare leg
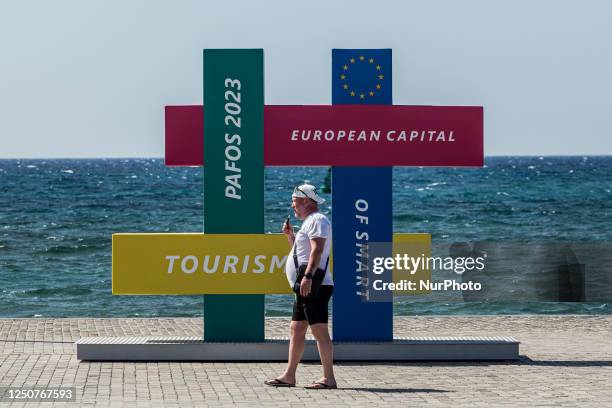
pixel 296 350
pixel 320 332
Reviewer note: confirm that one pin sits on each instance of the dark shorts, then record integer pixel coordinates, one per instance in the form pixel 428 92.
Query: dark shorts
pixel 313 309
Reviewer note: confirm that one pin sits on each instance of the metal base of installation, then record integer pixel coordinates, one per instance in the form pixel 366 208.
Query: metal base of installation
pixel 275 349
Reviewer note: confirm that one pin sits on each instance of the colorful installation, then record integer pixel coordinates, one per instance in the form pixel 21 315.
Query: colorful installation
pixel 361 135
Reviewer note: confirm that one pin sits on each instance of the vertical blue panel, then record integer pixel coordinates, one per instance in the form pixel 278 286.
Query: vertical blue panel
pixel 360 77
pixel 356 318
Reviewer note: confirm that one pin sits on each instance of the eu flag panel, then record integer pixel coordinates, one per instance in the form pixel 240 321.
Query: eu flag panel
pixel 361 77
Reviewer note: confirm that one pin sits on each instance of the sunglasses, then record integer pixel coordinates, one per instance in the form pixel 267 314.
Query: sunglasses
pixel 297 189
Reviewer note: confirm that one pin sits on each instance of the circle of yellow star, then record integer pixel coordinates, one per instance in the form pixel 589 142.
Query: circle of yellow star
pixel 353 93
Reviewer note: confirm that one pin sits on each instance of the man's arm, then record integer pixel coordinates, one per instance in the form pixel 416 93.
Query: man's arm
pixel 316 250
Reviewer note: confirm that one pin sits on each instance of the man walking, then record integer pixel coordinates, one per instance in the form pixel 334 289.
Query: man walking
pixel 309 254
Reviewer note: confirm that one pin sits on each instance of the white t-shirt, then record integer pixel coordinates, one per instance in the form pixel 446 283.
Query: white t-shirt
pixel 316 225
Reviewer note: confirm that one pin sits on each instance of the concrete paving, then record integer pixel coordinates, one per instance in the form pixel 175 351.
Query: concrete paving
pixel 566 361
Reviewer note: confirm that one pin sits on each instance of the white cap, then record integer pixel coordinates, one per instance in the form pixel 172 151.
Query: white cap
pixel 307 190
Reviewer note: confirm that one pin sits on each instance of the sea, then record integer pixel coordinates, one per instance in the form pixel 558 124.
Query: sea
pixel 57 217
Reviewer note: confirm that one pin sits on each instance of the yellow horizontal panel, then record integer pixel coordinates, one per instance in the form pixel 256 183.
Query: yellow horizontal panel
pixel 196 263
pixel 417 247
pixel 188 264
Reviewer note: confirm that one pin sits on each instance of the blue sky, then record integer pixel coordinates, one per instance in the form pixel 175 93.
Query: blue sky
pixel 91 78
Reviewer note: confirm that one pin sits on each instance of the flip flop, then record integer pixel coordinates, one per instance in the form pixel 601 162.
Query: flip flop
pixel 278 383
pixel 320 386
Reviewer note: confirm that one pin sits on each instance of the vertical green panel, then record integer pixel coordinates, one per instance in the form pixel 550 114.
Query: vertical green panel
pixel 233 200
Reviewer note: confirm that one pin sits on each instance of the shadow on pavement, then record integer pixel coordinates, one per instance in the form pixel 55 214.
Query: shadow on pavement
pixel 391 390
pixel 564 363
pixel 523 360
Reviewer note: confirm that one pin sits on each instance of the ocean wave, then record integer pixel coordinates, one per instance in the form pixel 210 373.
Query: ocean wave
pixel 73 249
pixel 57 291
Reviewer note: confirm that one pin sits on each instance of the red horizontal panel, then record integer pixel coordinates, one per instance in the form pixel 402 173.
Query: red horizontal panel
pixel 184 135
pixel 346 135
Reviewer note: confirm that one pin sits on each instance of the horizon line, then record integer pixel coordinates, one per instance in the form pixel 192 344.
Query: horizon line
pixel 162 158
